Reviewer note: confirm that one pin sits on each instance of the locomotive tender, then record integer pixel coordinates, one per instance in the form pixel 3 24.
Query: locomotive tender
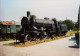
pixel 33 29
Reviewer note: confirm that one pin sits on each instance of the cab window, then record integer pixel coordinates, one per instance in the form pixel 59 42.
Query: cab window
pixel 8 26
pixel 17 26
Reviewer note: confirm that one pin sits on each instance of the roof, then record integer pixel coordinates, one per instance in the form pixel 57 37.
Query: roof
pixel 10 23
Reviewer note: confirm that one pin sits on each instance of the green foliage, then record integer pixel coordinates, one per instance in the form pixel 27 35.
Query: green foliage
pixel 34 16
pixel 53 36
pixel 0 24
pixel 53 19
pixel 70 24
pixel 69 33
pixel 14 38
pixel 33 42
pixel 5 39
pixel 60 22
pixel 76 25
pixel 76 29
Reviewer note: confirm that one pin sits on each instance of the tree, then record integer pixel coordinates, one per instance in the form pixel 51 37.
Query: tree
pixel 53 19
pixel 0 28
pixel 0 24
pixel 34 16
pixel 60 22
pixel 76 25
pixel 70 24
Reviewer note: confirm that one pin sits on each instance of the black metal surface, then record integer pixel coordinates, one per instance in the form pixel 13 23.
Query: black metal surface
pixel 33 29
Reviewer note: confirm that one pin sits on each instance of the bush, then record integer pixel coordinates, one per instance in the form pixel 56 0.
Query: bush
pixel 75 29
pixel 53 36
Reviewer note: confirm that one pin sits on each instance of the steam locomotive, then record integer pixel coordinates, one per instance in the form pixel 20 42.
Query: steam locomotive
pixel 33 29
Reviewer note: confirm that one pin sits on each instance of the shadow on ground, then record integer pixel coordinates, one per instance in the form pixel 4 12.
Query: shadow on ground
pixel 76 41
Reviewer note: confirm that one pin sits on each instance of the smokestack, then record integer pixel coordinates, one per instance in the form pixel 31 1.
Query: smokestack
pixel 28 13
pixel 46 18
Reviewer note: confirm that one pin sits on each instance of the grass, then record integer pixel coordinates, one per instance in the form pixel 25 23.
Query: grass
pixel 77 31
pixel 32 42
pixel 5 39
pixel 69 33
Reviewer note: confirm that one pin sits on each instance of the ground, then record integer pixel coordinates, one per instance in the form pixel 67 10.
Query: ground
pixel 62 47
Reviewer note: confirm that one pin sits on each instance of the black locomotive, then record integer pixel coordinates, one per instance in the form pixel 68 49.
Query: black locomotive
pixel 33 29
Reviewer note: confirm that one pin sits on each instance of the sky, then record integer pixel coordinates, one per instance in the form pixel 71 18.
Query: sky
pixel 59 9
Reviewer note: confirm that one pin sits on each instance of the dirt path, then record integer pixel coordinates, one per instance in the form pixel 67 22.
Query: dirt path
pixel 61 47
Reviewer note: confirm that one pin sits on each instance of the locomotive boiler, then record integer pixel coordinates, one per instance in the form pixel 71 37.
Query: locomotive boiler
pixel 33 29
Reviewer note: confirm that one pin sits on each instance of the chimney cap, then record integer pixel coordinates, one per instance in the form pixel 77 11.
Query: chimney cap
pixel 28 11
